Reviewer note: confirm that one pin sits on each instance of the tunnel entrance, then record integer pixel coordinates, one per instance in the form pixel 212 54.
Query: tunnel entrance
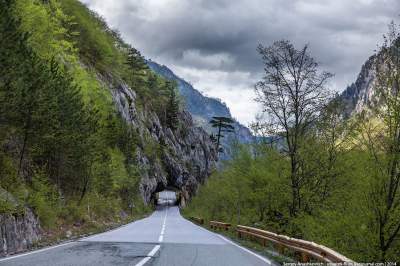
pixel 166 198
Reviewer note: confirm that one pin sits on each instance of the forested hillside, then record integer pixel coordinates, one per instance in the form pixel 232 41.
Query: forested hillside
pixel 88 133
pixel 336 178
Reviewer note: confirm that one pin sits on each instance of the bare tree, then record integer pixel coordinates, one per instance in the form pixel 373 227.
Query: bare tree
pixel 383 143
pixel 292 93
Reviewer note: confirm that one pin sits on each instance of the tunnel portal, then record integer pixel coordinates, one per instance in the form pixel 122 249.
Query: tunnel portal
pixel 166 198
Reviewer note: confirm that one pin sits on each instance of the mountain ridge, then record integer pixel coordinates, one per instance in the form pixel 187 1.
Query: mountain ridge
pixel 360 95
pixel 203 108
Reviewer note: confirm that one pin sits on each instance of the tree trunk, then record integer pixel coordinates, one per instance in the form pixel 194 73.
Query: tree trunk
pixel 25 141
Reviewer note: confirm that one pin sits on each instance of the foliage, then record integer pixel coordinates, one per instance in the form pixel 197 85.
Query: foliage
pixel 382 141
pixel 293 93
pixel 343 174
pixel 255 190
pixel 64 150
pixel 44 199
pixel 223 125
pixel 172 109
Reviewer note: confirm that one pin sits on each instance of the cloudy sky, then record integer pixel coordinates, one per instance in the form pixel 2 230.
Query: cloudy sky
pixel 212 43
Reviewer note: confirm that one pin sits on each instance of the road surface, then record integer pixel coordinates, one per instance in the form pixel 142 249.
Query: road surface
pixel 164 238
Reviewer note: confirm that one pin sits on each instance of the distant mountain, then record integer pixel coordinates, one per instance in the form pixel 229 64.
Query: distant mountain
pixel 361 95
pixel 203 108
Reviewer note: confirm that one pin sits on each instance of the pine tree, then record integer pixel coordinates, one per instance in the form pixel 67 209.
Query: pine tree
pixel 137 67
pixel 223 124
pixel 172 106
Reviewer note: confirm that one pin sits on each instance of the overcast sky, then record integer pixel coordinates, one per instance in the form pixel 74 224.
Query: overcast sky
pixel 212 43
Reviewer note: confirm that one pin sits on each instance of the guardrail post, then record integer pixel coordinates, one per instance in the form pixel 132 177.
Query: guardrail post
pixel 280 249
pixel 305 257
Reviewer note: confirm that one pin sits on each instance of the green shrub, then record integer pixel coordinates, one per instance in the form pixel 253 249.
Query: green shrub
pixel 44 200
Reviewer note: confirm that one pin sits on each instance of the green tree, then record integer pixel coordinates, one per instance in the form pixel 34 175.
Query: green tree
pixel 223 125
pixel 172 108
pixel 137 68
pixel 293 93
pixel 383 143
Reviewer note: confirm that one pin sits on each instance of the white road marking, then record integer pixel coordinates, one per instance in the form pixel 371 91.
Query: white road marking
pixel 234 244
pixel 36 251
pixel 160 239
pixel 157 247
pixel 149 256
pixel 245 249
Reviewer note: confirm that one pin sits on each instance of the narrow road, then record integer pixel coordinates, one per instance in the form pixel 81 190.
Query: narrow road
pixel 164 238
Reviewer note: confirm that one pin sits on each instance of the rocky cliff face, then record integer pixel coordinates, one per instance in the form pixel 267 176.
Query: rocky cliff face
pixel 360 95
pixel 203 108
pixel 186 157
pixel 18 232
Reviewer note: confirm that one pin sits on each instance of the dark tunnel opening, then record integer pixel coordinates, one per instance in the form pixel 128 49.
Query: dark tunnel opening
pixel 166 196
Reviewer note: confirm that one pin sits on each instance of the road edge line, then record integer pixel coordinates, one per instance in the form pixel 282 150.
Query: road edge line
pixel 232 243
pixel 35 251
pixel 245 249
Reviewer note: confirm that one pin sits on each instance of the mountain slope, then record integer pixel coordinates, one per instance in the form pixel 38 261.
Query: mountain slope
pixel 360 95
pixel 201 107
pixel 84 139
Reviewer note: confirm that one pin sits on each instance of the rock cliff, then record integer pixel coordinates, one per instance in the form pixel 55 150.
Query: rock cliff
pixel 18 232
pixel 360 95
pixel 203 108
pixel 186 155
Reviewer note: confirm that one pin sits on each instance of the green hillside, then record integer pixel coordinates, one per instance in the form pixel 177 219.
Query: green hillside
pixel 65 150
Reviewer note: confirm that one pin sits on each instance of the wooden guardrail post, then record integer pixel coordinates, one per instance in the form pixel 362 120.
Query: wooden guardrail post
pixel 197 220
pixel 305 257
pixel 280 248
pixel 217 225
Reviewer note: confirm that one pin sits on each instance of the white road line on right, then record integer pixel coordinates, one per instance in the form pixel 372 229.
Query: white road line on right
pixel 245 249
pixel 234 244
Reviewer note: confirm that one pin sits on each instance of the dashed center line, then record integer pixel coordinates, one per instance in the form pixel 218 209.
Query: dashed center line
pixel 161 237
pixel 157 247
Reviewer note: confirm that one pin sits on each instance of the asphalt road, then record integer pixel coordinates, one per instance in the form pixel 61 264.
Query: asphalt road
pixel 164 238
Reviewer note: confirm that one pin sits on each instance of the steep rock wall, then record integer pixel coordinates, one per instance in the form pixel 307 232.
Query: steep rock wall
pixel 361 95
pixel 18 232
pixel 187 154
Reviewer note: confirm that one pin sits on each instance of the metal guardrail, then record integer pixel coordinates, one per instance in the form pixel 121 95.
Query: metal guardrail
pixel 221 225
pixel 306 249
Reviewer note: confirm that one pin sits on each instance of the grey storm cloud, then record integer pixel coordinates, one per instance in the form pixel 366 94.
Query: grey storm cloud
pixel 213 42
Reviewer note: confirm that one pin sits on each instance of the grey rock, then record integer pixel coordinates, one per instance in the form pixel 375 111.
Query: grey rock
pixel 187 153
pixel 203 108
pixel 361 95
pixel 18 232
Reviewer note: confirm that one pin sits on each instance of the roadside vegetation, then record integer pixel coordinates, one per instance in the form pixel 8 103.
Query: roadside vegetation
pixel 65 151
pixel 311 174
